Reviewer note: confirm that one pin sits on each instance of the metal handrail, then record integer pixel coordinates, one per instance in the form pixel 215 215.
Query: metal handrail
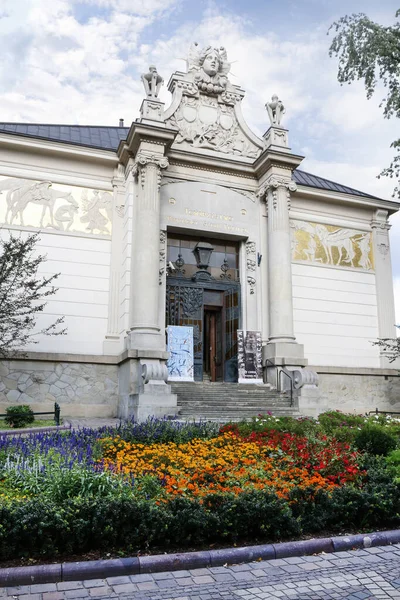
pixel 383 412
pixel 279 372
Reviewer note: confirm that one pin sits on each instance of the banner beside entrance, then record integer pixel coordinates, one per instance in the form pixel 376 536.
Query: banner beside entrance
pixel 249 356
pixel 180 345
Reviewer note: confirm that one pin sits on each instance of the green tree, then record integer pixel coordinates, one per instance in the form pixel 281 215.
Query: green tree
pixel 22 294
pixel 390 345
pixel 371 52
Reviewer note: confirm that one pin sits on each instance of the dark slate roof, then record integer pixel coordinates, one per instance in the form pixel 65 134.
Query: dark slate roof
pixel 108 138
pixel 104 138
pixel 303 178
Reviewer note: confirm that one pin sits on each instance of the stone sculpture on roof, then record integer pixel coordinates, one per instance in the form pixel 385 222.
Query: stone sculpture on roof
pixel 152 82
pixel 211 68
pixel 275 110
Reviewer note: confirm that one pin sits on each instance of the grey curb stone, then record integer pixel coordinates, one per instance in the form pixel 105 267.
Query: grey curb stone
pixel 174 562
pixel 237 555
pixel 302 547
pixel 100 569
pixel 30 575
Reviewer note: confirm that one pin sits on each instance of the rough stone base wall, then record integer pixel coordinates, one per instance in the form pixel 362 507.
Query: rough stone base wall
pixel 81 389
pixel 358 393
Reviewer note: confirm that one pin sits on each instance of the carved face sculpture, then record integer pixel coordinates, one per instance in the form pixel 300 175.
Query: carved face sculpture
pixel 211 63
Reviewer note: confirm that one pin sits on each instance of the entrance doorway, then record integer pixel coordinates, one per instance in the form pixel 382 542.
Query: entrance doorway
pixel 212 356
pixel 203 292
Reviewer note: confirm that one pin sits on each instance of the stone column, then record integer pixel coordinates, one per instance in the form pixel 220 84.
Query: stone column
pixel 384 282
pixel 282 347
pixel 113 343
pixel 144 304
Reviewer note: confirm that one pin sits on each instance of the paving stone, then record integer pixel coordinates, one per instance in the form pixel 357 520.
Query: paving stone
pixel 239 568
pixel 147 585
pixel 39 588
pixel 294 560
pixel 83 593
pixel 166 575
pixel 183 573
pixel 185 581
pixel 100 592
pixel 91 583
pixel 122 579
pixel 69 585
pixel 52 596
pixel 164 584
pixel 125 588
pixel 291 568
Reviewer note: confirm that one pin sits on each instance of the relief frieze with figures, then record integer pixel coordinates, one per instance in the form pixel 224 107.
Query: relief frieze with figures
pixel 331 245
pixel 47 206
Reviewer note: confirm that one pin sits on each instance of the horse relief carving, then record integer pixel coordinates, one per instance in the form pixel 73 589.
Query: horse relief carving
pixel 331 245
pixel 40 204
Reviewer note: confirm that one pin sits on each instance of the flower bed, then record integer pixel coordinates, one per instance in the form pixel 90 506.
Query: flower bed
pixel 231 463
pixel 160 484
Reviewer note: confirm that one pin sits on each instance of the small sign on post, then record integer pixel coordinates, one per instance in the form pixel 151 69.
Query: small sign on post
pixel 249 356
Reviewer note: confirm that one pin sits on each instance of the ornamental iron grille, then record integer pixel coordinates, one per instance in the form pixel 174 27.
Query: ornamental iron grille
pixel 189 299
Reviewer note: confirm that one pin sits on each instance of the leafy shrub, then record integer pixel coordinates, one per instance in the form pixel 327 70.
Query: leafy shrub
pixel 19 416
pixel 374 505
pixel 333 419
pixel 268 422
pixel 375 440
pixel 345 434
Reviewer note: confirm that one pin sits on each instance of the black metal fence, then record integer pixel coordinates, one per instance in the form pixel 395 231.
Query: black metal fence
pixel 56 412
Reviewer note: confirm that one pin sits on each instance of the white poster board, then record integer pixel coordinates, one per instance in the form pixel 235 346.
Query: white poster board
pixel 180 346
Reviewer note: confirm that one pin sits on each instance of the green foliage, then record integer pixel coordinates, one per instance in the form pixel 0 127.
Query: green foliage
pixel 161 431
pixel 44 528
pixel 374 505
pixel 332 420
pixel 22 294
pixel 19 416
pixel 375 440
pixel 51 479
pixel 390 345
pixel 370 52
pixel 286 424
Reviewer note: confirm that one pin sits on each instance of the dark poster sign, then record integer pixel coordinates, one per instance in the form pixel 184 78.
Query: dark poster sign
pixel 249 356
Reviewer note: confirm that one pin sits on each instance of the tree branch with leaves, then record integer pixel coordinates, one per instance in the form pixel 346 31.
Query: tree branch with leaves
pixel 22 295
pixel 370 52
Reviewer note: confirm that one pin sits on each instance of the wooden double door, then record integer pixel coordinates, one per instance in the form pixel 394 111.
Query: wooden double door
pixel 212 308
pixel 212 354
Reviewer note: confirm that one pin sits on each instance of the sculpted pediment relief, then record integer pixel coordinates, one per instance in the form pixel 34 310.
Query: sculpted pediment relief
pixel 205 108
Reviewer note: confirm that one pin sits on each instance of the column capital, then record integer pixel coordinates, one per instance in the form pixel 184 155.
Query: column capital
pixel 143 160
pixel 380 220
pixel 273 183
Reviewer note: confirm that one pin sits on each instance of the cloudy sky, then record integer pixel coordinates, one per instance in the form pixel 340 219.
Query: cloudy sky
pixel 79 61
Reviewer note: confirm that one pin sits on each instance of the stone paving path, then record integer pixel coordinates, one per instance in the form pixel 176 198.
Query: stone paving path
pixel 357 575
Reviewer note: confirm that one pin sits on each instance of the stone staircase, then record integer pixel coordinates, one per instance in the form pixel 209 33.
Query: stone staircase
pixel 230 401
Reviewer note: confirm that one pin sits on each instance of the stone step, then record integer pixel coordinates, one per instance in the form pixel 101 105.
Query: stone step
pixel 223 402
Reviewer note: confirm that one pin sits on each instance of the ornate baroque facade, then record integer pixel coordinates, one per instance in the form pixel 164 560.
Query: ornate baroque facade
pixel 188 218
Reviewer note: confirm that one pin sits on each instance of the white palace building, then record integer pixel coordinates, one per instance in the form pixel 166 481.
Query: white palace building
pixel 188 226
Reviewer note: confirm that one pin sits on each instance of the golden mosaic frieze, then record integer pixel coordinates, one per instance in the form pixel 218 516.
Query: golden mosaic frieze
pixel 331 245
